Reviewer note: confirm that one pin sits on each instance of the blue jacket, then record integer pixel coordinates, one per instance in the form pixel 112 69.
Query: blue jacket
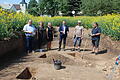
pixel 95 31
pixel 62 29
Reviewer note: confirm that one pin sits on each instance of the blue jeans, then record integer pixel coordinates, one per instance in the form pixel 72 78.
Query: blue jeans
pixel 29 44
pixel 77 39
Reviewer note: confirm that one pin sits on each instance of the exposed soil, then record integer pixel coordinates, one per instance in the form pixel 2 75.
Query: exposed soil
pixel 77 65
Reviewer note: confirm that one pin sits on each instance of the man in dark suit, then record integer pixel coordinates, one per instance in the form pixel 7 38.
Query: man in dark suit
pixel 63 29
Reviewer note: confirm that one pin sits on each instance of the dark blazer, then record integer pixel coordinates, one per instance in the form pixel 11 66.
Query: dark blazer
pixel 62 29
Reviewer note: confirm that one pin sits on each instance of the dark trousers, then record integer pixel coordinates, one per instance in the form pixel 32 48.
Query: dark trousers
pixel 29 44
pixel 39 43
pixel 62 38
pixel 95 43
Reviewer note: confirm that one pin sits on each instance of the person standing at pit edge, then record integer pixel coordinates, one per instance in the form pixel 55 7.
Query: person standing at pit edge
pixel 50 35
pixel 41 34
pixel 78 35
pixel 30 32
pixel 63 29
pixel 96 32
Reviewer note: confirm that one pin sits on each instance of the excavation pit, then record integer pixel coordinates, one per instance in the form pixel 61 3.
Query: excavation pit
pixel 64 59
pixel 72 54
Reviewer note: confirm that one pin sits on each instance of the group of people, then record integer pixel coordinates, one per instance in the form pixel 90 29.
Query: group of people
pixel 47 34
pixel 42 33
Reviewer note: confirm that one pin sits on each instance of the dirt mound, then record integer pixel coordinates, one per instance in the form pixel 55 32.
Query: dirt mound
pixel 65 60
pixel 112 46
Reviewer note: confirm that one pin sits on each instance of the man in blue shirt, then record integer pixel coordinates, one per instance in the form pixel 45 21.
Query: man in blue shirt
pixel 63 29
pixel 30 32
pixel 96 32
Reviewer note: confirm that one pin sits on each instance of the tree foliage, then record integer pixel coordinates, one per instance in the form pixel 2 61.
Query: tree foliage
pixel 33 7
pixel 48 7
pixel 91 7
pixel 74 5
pixel 88 7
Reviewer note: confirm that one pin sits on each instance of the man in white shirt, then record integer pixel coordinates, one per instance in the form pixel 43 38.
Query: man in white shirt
pixel 30 31
pixel 78 35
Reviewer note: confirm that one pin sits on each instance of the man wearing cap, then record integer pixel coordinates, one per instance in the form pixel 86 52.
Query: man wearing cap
pixel 78 35
pixel 30 31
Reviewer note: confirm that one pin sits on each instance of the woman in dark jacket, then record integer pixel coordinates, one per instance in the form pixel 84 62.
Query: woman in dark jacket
pixel 50 33
pixel 41 34
pixel 96 32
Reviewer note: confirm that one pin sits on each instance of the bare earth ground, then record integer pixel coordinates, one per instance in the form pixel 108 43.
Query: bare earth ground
pixel 78 65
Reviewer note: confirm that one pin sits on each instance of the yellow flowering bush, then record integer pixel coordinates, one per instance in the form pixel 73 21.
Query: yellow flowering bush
pixel 14 22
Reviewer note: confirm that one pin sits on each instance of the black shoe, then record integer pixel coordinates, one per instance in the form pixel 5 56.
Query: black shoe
pixel 79 50
pixel 96 53
pixel 73 49
pixel 50 49
pixel 59 49
pixel 64 46
pixel 92 52
pixel 64 50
